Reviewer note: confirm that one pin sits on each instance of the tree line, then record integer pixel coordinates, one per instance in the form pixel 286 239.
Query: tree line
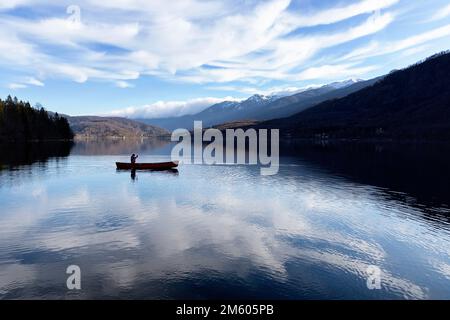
pixel 19 121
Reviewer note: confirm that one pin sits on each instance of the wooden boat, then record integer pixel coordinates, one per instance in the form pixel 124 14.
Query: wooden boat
pixel 147 166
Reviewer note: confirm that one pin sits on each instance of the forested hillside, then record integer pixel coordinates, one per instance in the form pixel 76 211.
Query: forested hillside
pixel 413 103
pixel 19 121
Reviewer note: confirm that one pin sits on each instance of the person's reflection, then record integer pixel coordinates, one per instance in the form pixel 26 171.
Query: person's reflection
pixel 133 175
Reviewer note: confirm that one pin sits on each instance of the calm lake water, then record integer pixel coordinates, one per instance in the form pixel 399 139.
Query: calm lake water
pixel 309 232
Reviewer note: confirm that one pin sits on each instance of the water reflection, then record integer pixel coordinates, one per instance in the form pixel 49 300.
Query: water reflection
pixel 221 232
pixel 122 147
pixel 19 162
pixel 414 173
pixel 15 154
pixel 134 173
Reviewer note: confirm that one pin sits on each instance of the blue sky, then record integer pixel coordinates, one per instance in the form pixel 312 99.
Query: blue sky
pixel 155 58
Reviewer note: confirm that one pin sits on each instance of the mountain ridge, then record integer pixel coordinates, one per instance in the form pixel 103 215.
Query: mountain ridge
pixel 411 103
pixel 262 107
pixel 113 127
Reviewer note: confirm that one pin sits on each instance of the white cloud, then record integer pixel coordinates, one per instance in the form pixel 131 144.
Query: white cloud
pixel 293 51
pixel 15 86
pixel 29 81
pixel 9 4
pixel 34 82
pixel 333 72
pixel 415 50
pixel 337 14
pixel 173 40
pixel 66 32
pixel 442 13
pixel 278 91
pixel 285 55
pixel 24 53
pixel 124 84
pixel 163 109
pixel 378 49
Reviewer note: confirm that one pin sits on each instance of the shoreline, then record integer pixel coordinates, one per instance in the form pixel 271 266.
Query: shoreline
pixel 283 140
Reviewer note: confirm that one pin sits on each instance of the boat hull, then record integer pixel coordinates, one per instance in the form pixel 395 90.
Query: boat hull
pixel 147 166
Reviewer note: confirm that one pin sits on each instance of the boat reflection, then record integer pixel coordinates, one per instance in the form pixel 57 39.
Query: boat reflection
pixel 134 175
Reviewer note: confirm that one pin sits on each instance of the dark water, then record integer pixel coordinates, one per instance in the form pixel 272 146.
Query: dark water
pixel 309 232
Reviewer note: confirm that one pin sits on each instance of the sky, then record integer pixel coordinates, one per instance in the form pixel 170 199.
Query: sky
pixel 159 58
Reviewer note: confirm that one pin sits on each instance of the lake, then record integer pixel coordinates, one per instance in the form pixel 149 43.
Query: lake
pixel 313 231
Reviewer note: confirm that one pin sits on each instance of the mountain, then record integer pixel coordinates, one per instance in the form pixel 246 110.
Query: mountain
pixel 293 104
pixel 222 112
pixel 413 103
pixel 236 124
pixel 261 107
pixel 187 121
pixel 101 127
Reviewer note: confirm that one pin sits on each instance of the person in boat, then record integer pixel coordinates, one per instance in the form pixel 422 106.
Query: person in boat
pixel 133 158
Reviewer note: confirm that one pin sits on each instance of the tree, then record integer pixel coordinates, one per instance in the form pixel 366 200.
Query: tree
pixel 19 121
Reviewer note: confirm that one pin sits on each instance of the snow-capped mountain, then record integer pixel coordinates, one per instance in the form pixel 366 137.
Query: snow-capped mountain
pixel 259 98
pixel 343 84
pixel 264 107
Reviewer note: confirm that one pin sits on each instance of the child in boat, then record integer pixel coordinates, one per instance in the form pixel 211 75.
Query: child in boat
pixel 133 158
